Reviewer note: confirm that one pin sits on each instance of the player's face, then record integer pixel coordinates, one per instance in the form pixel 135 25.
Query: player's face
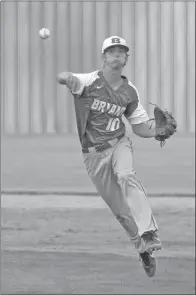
pixel 115 57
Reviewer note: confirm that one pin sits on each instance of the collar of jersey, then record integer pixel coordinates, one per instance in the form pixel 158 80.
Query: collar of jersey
pixel 100 74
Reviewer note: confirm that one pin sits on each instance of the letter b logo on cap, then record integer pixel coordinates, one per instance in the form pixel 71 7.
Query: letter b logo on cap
pixel 115 40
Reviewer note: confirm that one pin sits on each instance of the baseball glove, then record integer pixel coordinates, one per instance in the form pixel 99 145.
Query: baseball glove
pixel 165 125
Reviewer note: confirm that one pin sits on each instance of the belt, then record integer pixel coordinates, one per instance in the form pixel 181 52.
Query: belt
pixel 103 146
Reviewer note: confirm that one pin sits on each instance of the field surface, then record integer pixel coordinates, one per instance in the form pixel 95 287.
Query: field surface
pixel 70 243
pixel 55 164
pixel 74 245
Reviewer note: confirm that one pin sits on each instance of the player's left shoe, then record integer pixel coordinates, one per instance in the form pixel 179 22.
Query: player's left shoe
pixel 152 242
pixel 148 263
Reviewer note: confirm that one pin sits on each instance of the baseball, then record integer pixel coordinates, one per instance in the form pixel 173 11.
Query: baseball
pixel 44 33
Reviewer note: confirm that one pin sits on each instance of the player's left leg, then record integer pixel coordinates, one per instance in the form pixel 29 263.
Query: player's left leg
pixel 134 193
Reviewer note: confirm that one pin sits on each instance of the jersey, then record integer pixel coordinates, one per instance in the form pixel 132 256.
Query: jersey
pixel 99 108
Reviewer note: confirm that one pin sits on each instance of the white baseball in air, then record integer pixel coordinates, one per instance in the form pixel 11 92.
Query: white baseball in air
pixel 44 33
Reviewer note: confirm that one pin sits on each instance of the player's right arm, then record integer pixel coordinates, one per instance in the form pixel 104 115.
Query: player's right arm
pixel 72 82
pixel 76 82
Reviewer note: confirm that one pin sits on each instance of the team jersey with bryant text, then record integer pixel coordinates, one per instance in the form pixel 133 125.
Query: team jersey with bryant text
pixel 99 108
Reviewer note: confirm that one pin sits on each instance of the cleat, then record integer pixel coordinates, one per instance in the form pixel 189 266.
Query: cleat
pixel 152 243
pixel 148 263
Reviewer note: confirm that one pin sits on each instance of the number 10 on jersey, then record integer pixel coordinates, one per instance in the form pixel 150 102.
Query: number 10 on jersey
pixel 113 124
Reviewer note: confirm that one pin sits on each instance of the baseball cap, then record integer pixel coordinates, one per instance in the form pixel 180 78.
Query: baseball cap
pixel 114 41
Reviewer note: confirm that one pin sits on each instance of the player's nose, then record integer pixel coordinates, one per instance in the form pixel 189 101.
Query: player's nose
pixel 117 53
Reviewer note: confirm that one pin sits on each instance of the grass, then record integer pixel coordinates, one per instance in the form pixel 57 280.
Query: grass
pixel 54 163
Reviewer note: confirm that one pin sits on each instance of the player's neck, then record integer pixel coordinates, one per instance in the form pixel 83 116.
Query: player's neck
pixel 113 77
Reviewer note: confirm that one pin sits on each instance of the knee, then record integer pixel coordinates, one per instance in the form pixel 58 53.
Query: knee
pixel 126 181
pixel 125 175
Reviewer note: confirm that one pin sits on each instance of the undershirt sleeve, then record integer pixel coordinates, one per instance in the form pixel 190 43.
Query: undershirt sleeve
pixel 135 113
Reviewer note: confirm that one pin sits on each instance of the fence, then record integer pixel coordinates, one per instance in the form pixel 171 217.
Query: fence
pixel 161 36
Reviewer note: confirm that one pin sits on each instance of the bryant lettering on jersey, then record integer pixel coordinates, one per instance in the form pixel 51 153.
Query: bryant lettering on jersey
pixel 99 108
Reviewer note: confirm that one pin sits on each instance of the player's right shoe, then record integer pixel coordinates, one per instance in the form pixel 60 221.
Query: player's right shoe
pixel 148 263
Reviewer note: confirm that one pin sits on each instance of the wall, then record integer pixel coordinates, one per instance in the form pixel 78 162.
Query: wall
pixel 161 36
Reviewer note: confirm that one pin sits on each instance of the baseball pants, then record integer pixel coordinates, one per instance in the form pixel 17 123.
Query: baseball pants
pixel 114 177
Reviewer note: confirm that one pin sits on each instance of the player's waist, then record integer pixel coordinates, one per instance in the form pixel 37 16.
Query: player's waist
pixel 102 146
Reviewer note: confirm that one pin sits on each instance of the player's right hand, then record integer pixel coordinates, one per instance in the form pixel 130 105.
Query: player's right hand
pixel 68 79
pixel 73 83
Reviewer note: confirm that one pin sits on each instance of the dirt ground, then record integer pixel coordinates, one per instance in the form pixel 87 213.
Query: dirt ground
pixel 74 245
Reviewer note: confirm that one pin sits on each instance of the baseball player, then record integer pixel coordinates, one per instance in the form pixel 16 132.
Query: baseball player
pixel 101 100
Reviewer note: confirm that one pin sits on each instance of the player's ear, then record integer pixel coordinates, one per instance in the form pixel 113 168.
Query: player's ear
pixel 126 59
pixel 103 56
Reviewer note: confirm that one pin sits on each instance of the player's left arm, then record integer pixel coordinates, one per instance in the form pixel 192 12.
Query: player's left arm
pixel 138 117
pixel 143 130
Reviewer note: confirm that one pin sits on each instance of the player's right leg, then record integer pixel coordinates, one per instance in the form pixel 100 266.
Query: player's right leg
pixel 99 167
pixel 148 263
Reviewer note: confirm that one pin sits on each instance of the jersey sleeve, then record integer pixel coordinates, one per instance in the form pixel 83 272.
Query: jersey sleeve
pixel 135 113
pixel 85 80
